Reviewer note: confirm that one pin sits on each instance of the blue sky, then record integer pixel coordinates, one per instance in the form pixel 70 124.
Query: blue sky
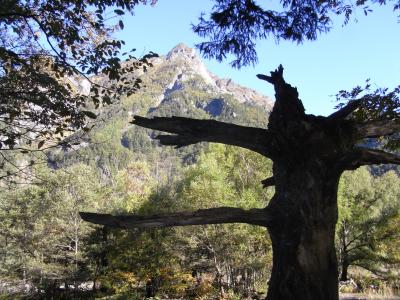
pixel 340 59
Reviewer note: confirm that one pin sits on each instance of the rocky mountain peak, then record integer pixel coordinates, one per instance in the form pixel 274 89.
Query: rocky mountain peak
pixel 182 51
pixel 188 63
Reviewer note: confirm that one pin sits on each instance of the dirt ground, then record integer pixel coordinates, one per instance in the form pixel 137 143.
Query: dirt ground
pixel 364 297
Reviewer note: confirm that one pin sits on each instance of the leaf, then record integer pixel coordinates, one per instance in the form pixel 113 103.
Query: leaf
pixel 119 12
pixel 121 24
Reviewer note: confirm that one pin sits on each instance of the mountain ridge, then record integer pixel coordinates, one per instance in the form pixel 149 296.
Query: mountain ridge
pixel 191 64
pixel 178 84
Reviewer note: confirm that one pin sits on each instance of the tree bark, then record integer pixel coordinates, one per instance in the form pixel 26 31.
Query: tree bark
pixel 343 273
pixel 304 256
pixel 186 131
pixel 343 250
pixel 219 215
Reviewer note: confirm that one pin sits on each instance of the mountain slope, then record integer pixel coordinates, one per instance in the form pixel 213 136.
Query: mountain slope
pixel 178 84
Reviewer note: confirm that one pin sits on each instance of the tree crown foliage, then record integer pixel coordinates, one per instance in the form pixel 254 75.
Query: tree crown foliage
pixel 47 48
pixel 233 27
pixel 368 209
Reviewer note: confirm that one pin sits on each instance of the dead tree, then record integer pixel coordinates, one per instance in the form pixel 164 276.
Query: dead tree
pixel 309 154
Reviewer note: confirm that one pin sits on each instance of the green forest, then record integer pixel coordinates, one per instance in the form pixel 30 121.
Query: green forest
pixel 47 246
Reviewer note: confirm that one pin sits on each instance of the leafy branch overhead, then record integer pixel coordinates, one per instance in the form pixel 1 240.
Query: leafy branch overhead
pixel 50 54
pixel 377 112
pixel 233 27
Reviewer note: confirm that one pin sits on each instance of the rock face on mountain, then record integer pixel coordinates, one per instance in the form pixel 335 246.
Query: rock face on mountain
pixel 191 62
pixel 186 64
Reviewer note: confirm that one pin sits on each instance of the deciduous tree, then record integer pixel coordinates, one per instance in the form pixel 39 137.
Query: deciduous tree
pixel 50 54
pixel 368 208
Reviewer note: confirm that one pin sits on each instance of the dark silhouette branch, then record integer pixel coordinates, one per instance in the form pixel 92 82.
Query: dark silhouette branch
pixel 270 181
pixel 379 128
pixel 220 215
pixel 17 14
pixel 345 111
pixel 371 157
pixel 276 77
pixel 288 106
pixel 189 131
pixel 364 156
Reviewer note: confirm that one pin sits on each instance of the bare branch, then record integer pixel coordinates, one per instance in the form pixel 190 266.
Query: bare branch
pixel 270 181
pixel 220 215
pixel 379 128
pixel 287 106
pixel 190 131
pixel 363 156
pixel 345 111
pixel 371 157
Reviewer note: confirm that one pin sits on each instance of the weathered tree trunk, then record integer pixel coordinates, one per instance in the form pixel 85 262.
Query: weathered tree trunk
pixel 344 271
pixel 343 250
pixel 309 154
pixel 302 234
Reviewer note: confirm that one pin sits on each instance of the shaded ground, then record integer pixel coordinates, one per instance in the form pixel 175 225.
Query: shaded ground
pixel 364 297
